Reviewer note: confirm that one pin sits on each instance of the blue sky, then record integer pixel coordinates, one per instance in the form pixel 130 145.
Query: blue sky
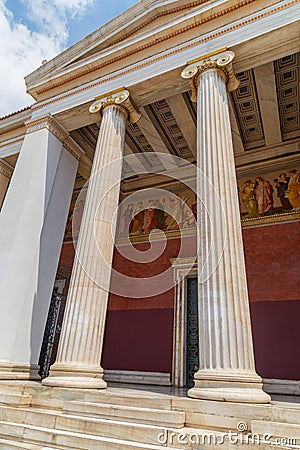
pixel 33 30
pixel 96 16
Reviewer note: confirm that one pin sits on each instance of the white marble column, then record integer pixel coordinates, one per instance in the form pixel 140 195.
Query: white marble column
pixel 5 173
pixel 32 226
pixel 81 341
pixel 227 369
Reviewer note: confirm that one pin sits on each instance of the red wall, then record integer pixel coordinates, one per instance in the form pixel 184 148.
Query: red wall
pixel 139 339
pixel 273 271
pixel 139 332
pixel 272 260
pixel 276 338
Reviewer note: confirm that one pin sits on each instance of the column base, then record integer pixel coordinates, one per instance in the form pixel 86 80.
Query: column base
pixel 238 389
pixel 69 376
pixel 19 371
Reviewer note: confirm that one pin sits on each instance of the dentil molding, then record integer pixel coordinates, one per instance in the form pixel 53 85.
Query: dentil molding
pixel 51 124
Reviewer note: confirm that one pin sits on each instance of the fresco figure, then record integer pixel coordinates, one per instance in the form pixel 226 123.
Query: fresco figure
pixel 248 197
pixel 150 219
pixel 282 185
pixel 175 217
pixel 160 213
pixel 138 219
pixel 127 217
pixel 293 176
pixel 264 196
pixel 188 215
pixel 189 218
pixel 294 193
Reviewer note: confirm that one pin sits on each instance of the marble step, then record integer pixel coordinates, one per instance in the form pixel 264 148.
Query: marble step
pixel 129 397
pixel 17 386
pixel 29 437
pixel 132 431
pixel 57 397
pixel 288 431
pixel 213 414
pixel 15 398
pixel 43 396
pixel 174 419
pixel 63 439
pixel 6 444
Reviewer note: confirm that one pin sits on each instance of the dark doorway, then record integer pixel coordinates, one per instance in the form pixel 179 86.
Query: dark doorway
pixel 192 331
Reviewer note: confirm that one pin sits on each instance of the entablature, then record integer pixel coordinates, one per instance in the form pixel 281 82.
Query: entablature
pixel 97 55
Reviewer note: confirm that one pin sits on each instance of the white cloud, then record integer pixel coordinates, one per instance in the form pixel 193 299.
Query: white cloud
pixel 22 49
pixel 52 16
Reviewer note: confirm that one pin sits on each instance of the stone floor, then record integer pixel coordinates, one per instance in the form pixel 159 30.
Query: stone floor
pixel 182 392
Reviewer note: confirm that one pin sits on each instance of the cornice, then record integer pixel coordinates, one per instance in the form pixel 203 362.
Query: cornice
pixel 155 59
pixel 114 32
pixel 6 169
pixel 47 122
pixel 159 15
pixel 155 42
pixel 271 220
pixel 15 113
pixel 51 124
pixel 14 120
pixel 72 147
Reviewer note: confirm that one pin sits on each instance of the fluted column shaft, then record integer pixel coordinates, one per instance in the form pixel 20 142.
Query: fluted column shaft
pixel 226 369
pixel 80 347
pixel 226 344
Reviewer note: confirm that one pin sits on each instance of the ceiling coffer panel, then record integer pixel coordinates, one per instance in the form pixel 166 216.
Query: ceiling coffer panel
pixel 165 123
pixel 287 74
pixel 247 111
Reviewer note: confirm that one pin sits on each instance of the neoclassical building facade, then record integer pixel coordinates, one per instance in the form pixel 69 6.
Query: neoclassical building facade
pixel 149 224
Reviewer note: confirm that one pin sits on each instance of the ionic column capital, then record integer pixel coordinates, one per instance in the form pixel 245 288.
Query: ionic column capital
pixel 119 99
pixel 51 124
pixel 221 61
pixel 5 169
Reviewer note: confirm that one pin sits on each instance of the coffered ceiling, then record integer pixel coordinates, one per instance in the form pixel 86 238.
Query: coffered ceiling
pixel 264 114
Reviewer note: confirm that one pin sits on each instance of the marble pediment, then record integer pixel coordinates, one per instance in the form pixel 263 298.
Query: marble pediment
pixel 147 20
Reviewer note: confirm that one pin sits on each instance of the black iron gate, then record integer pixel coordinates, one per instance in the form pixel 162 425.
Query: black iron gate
pixel 52 333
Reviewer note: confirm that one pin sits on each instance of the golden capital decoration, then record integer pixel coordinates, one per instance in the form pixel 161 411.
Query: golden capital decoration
pixel 119 99
pixel 221 61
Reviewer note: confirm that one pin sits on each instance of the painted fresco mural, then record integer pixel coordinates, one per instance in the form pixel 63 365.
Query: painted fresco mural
pixel 269 194
pixel 167 213
pixel 261 195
